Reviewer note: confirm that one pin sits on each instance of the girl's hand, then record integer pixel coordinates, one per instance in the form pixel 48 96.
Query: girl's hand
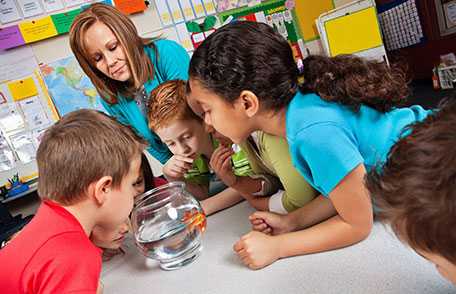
pixel 257 250
pixel 221 164
pixel 270 223
pixel 176 167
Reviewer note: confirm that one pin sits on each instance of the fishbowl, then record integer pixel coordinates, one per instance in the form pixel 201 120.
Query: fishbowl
pixel 168 223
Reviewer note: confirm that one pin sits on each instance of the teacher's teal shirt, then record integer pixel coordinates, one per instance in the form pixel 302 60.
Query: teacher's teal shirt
pixel 171 63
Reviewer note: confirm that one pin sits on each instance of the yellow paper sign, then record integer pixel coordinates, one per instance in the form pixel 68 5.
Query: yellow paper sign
pixel 37 29
pixel 354 32
pixel 22 89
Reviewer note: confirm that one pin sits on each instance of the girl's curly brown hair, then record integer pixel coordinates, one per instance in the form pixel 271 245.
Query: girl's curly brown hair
pixel 353 81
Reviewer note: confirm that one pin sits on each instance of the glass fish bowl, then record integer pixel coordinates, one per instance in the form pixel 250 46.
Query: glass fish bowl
pixel 168 223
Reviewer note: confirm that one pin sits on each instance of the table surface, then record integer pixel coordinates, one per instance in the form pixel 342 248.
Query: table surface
pixel 379 264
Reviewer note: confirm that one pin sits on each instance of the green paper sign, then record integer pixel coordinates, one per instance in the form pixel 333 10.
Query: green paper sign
pixel 63 21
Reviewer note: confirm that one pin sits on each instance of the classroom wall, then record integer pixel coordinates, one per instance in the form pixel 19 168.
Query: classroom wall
pixel 147 23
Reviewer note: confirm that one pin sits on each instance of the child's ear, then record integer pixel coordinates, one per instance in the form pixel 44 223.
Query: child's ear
pixel 249 103
pixel 101 189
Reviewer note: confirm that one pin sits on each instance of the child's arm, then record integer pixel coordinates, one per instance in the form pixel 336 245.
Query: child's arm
pixel 222 200
pixel 200 192
pixel 352 224
pixel 314 212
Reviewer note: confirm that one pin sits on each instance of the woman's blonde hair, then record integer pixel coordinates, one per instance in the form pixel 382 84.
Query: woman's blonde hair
pixel 125 31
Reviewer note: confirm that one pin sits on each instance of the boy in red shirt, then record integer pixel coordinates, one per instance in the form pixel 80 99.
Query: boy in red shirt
pixel 88 166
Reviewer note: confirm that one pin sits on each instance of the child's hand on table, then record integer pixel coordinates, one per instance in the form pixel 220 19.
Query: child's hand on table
pixel 177 166
pixel 221 164
pixel 270 223
pixel 257 250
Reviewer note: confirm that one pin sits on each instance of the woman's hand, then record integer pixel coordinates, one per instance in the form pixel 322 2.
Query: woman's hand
pixel 176 167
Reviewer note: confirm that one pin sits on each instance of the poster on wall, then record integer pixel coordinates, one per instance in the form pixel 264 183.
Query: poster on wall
pixel 274 13
pixel 69 87
pixel 449 9
pixel 8 12
pixel 30 7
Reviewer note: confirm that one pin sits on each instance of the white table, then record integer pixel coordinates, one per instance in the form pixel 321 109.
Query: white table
pixel 380 264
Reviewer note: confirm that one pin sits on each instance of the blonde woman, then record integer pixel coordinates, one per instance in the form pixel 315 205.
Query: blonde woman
pixel 124 67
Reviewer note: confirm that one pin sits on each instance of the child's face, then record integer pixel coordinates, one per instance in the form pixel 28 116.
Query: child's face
pixel 196 108
pixel 106 52
pixel 185 137
pixel 140 184
pixel 230 120
pixel 443 265
pixel 110 238
pixel 119 201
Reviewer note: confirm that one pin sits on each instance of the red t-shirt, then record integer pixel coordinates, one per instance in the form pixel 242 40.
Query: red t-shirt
pixel 159 182
pixel 52 254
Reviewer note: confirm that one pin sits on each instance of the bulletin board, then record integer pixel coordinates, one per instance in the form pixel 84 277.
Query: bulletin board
pixel 26 111
pixel 34 43
pixel 354 32
pixel 274 13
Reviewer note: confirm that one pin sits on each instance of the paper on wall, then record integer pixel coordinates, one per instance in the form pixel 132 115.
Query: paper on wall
pixel 16 63
pixel 33 112
pixel 37 29
pixel 187 9
pixel 22 144
pixel 52 5
pixel 23 88
pixel 6 155
pixel 10 118
pixel 8 12
pixel 209 6
pixel 30 7
pixel 450 13
pixel 175 11
pixel 37 135
pixel 163 12
pixel 10 37
pixel 184 36
pixel 71 3
pixel 199 8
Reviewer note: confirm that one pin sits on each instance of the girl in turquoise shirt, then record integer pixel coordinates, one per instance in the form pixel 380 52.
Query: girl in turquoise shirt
pixel 124 67
pixel 245 79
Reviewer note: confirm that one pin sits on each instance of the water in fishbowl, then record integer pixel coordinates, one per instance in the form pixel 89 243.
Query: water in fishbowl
pixel 177 240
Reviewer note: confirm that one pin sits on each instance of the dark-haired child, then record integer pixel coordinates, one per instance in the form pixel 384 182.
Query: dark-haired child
pixel 416 190
pixel 333 139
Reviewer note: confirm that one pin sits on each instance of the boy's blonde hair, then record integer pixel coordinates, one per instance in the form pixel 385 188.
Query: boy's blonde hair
pixel 168 103
pixel 81 148
pixel 133 45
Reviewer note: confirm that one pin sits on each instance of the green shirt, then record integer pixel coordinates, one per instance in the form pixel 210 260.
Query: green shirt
pixel 201 174
pixel 273 157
